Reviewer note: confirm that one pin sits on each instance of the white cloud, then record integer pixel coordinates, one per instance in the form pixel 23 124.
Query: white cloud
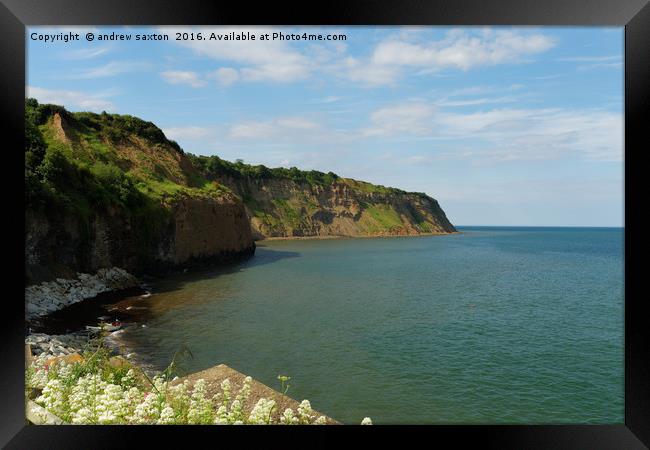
pixel 505 134
pixel 273 128
pixel 614 65
pixel 369 74
pixel 183 77
pixel 404 118
pixel 108 70
pixel 226 75
pixel 72 99
pixel 534 134
pixel 86 53
pixel 330 99
pixel 594 62
pixel 273 60
pixel 280 61
pixel 297 123
pixel 476 101
pixel 189 133
pixel 592 58
pixel 252 130
pixel 459 49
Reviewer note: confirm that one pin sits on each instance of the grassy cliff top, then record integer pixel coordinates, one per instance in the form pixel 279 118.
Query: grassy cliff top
pixel 214 167
pixel 85 160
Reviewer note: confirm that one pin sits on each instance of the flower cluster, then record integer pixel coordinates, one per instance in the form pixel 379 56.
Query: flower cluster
pixel 91 392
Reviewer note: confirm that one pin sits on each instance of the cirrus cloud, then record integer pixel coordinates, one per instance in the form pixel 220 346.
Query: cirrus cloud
pixel 183 77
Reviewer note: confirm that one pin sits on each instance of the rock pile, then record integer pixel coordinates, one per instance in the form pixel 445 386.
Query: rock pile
pixel 56 345
pixel 50 296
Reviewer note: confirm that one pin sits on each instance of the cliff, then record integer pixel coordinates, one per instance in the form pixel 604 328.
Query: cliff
pixel 291 203
pixel 105 190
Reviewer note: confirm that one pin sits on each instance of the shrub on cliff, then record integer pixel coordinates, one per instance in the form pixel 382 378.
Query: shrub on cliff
pixel 214 167
pixel 55 179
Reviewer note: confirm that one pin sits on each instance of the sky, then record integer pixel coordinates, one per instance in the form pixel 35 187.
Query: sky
pixel 502 125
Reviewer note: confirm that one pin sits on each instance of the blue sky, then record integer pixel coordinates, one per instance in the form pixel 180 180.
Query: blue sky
pixel 502 125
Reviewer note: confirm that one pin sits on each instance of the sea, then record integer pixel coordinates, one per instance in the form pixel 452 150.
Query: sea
pixel 493 325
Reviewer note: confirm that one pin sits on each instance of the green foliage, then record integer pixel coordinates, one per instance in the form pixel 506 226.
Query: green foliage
pixel 38 113
pixel 55 177
pixel 371 188
pixel 215 167
pixel 34 144
pixel 114 127
pixel 385 216
pixel 78 188
pixel 288 214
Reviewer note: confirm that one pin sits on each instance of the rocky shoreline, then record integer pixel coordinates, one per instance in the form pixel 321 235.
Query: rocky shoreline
pixel 56 345
pixel 360 236
pixel 62 345
pixel 49 297
pixel 45 298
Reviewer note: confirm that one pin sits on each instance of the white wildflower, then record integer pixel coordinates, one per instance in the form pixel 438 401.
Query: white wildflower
pixel 235 413
pixel 200 409
pixel 82 416
pixel 261 412
pixel 148 411
pixel 225 389
pixel 322 420
pixel 305 412
pixel 288 418
pixel 166 416
pixel 221 417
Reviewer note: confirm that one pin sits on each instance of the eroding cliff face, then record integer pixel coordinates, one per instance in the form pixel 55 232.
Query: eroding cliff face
pixel 197 231
pixel 205 227
pixel 283 208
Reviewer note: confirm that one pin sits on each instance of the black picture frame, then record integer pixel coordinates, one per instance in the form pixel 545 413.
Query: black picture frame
pixel 633 14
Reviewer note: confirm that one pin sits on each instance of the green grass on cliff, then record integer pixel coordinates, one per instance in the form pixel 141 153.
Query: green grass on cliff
pixel 380 217
pixel 289 214
pixel 215 167
pixel 85 162
pixel 370 188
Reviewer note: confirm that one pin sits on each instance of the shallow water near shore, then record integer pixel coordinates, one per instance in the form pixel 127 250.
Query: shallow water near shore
pixel 493 325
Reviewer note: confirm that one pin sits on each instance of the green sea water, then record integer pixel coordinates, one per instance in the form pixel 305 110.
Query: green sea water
pixel 493 325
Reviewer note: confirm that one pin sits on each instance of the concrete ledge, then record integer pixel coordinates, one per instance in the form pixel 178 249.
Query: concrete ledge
pixel 38 415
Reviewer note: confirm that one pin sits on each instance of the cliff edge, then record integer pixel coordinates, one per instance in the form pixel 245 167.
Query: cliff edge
pixel 293 203
pixel 105 190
